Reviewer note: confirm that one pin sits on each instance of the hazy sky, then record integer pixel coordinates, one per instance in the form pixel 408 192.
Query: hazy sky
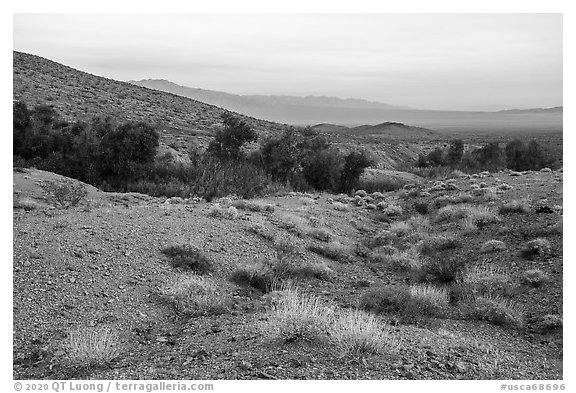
pixel 428 61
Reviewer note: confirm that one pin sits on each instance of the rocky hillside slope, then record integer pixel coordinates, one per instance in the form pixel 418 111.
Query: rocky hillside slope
pixel 98 269
pixel 79 95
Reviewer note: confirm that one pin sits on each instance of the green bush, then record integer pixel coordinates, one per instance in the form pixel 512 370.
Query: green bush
pixel 64 194
pixel 188 257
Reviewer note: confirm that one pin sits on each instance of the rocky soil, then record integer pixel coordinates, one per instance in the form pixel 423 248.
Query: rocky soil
pixel 100 264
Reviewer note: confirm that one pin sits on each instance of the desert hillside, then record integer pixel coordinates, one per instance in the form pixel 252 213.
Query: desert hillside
pixel 180 289
pixel 79 95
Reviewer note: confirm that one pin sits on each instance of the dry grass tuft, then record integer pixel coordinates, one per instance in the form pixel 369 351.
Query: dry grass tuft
pixel 217 211
pixel 499 311
pixel 90 346
pixel 515 206
pixel 336 251
pixel 435 296
pixel 492 246
pixel 535 247
pixel 357 333
pixel 534 277
pixel 196 295
pixel 298 318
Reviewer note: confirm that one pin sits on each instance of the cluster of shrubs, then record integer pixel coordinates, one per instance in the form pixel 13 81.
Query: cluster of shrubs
pixel 516 155
pixel 122 157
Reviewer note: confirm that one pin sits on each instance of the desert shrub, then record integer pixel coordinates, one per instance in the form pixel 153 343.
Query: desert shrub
pixel 460 198
pixel 357 333
pixel 262 231
pixel 398 299
pixel 436 297
pixel 381 184
pixel 534 277
pixel 550 322
pixel 476 216
pixel 521 156
pixel 455 153
pixel 228 142
pixel 127 152
pixel 27 204
pixel 485 280
pixel 432 172
pixel 217 211
pixel 298 317
pixel 434 243
pixel 188 257
pixel 339 206
pixel 317 270
pixel 498 311
pixel 390 209
pixel 515 206
pixel 319 234
pixel 322 169
pixel 354 165
pixel 535 247
pixel 440 270
pixel 405 260
pixel 196 295
pixel 492 245
pixel 421 208
pixel 243 204
pixel 91 346
pixel 259 276
pixel 336 251
pixel 64 194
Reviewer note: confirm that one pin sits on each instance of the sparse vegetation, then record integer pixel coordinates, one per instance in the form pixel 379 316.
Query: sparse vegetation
pixel 398 299
pixel 217 211
pixel 492 246
pixel 431 244
pixel 92 346
pixel 188 257
pixel 441 270
pixel 535 247
pixel 256 275
pixel 358 333
pixel 515 206
pixel 534 277
pixel 336 251
pixel 196 295
pixel 498 311
pixel 298 317
pixel 64 194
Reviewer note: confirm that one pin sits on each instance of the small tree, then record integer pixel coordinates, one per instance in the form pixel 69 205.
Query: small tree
pixel 228 142
pixel 127 152
pixel 455 152
pixel 354 165
pixel 322 169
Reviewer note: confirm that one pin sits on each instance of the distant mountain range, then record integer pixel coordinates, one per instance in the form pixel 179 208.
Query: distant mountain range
pixel 556 109
pixel 241 103
pixel 356 112
pixel 391 129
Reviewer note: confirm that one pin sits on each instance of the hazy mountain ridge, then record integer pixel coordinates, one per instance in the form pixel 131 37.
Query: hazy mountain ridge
pixel 353 113
pixel 556 109
pixel 392 129
pixel 222 99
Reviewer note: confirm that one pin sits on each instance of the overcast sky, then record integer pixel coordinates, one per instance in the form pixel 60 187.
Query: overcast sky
pixel 428 61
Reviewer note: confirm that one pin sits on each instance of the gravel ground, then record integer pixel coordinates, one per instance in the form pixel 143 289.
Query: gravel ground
pixel 101 265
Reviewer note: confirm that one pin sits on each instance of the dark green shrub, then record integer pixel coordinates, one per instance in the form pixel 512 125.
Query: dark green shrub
pixel 188 257
pixel 228 142
pixel 354 165
pixel 441 270
pixel 64 194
